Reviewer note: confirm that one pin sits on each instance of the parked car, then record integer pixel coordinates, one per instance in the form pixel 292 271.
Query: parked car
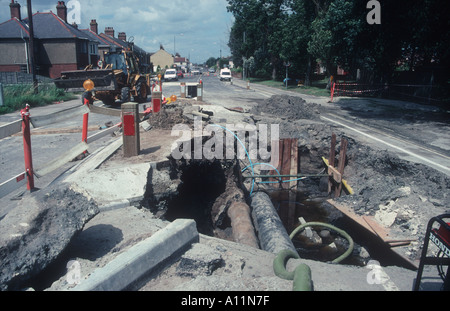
pixel 170 74
pixel 180 74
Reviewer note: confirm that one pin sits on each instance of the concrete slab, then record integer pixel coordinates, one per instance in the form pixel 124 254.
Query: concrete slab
pixel 128 267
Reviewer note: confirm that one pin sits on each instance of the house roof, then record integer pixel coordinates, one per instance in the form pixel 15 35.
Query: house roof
pixel 94 37
pixel 120 43
pixel 114 41
pixel 49 26
pixel 46 25
pixel 14 28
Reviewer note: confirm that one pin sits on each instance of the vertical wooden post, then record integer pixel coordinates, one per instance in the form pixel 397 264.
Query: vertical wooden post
pixel 293 184
pixel 341 165
pixel 331 158
pixel 131 137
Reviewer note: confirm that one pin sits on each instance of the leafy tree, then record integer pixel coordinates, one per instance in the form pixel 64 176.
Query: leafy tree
pixel 413 33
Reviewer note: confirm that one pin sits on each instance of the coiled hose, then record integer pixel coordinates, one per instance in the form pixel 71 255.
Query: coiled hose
pixel 302 273
pixel 339 231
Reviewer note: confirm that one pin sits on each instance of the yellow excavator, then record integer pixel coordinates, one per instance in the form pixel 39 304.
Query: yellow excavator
pixel 117 78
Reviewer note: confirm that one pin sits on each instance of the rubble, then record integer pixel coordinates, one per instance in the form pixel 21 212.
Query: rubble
pixel 37 231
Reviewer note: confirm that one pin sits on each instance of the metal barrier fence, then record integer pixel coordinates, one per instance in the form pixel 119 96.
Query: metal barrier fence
pixel 423 94
pixel 21 78
pixel 23 125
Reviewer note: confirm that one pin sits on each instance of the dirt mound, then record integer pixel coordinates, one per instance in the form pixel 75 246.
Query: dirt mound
pixel 169 116
pixel 291 107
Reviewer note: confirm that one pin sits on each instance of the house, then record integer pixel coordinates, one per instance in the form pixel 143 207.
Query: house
pixel 162 59
pixel 121 43
pixel 58 46
pixel 181 62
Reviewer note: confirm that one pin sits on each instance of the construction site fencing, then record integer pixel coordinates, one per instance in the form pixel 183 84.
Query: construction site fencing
pixel 423 94
pixel 23 125
pixel 11 78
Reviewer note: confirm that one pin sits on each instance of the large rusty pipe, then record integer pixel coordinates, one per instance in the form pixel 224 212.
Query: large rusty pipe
pixel 241 223
pixel 271 232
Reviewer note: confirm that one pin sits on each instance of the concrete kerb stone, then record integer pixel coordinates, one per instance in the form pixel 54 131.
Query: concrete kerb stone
pixel 142 258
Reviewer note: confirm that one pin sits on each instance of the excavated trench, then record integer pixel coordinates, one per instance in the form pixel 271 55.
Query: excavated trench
pixel 204 190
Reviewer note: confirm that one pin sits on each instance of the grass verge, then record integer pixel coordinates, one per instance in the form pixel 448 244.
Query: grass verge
pixel 17 96
pixel 317 88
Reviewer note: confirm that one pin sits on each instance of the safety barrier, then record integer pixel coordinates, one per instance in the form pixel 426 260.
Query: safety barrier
pixel 23 125
pixel 414 92
pixel 355 89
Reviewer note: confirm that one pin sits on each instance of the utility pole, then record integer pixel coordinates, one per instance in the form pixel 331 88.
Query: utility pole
pixel 31 46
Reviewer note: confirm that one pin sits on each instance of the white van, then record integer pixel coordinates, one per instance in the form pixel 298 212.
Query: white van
pixel 225 74
pixel 170 74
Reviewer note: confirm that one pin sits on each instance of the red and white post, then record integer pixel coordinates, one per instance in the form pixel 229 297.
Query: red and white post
pixel 25 113
pixel 87 98
pixel 332 91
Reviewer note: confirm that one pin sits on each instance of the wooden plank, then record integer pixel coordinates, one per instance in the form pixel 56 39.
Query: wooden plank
pixel 10 128
pixel 331 158
pixel 294 162
pixel 377 230
pixel 341 165
pixel 60 161
pixel 103 133
pixel 59 116
pixel 367 222
pixel 344 182
pixel 276 156
pixel 286 162
pixel 332 150
pixel 334 174
pixel 293 184
pixel 105 111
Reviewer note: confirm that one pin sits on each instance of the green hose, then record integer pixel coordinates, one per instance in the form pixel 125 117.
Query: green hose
pixel 339 231
pixel 280 261
pixel 301 275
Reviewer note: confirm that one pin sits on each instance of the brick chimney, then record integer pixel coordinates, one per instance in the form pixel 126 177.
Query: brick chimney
pixel 61 10
pixel 94 26
pixel 122 36
pixel 15 10
pixel 109 31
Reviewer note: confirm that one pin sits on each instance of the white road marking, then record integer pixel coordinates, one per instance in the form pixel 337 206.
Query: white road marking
pixel 442 167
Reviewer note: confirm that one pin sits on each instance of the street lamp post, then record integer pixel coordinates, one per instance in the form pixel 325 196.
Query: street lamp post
pixel 174 45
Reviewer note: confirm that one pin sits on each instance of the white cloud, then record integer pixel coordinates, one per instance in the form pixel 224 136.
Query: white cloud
pixel 203 23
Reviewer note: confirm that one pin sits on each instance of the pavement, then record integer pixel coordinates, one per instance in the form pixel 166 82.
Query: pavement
pixel 149 254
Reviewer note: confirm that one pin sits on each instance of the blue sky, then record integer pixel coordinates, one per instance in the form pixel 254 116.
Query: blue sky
pixel 199 28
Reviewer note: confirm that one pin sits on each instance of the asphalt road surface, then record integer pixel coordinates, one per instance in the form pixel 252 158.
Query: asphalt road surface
pixel 414 132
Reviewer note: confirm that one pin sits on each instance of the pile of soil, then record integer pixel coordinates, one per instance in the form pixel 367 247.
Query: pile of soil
pixel 169 116
pixel 290 107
